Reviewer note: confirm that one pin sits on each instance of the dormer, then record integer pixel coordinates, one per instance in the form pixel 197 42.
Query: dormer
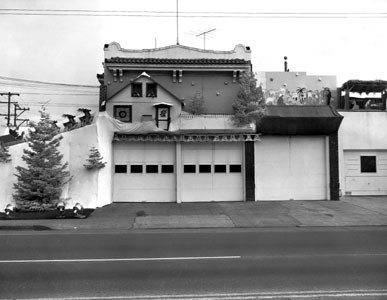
pixel 143 100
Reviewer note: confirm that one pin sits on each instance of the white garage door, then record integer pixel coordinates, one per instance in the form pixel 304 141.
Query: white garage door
pixel 290 168
pixel 212 172
pixel 144 172
pixel 365 172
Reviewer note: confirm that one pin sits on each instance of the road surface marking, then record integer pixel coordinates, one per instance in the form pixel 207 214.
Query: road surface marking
pixel 279 256
pixel 117 259
pixel 236 296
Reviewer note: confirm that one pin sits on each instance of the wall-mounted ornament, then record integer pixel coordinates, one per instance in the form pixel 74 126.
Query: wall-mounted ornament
pixel 121 75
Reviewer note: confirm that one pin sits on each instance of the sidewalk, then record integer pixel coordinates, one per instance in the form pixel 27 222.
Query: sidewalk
pixel 349 211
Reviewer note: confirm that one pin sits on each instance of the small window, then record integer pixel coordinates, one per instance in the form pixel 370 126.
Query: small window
pixel 152 168
pixel 204 168
pixel 368 164
pixel 167 168
pixel 220 168
pixel 136 89
pixel 189 169
pixel 136 169
pixel 123 113
pixel 120 169
pixel 235 168
pixel 151 90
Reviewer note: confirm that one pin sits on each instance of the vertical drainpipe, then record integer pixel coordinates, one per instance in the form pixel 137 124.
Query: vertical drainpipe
pixel 334 184
pixel 178 173
pixel 327 170
pixel 250 170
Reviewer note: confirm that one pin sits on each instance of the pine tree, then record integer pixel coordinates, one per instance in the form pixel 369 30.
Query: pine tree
pixel 249 105
pixel 196 105
pixel 4 154
pixel 39 184
pixel 95 160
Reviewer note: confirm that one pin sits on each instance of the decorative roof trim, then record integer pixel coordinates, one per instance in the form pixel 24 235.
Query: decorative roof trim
pixel 144 74
pixel 176 61
pixel 187 138
pixel 178 51
pixel 162 104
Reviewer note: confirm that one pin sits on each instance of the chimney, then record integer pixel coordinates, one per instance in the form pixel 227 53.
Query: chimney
pixel 286 64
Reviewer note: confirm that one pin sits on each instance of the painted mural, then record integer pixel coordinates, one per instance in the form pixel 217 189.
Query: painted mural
pixel 301 96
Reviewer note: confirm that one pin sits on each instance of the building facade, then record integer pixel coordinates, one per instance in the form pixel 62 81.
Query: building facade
pixel 362 138
pixel 156 150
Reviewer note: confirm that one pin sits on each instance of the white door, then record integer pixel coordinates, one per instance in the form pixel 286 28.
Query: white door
pixel 144 172
pixel 365 172
pixel 290 168
pixel 212 172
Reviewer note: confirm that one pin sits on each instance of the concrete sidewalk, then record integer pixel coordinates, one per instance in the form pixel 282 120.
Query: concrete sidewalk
pixel 350 211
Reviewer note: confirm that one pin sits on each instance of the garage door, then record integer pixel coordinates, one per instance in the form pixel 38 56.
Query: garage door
pixel 144 172
pixel 212 172
pixel 365 172
pixel 290 168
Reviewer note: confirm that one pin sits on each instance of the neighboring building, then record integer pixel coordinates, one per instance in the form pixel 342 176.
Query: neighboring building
pixel 363 138
pixel 297 157
pixel 298 88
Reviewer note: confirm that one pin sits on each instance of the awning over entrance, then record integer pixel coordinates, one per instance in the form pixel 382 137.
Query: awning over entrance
pixel 300 120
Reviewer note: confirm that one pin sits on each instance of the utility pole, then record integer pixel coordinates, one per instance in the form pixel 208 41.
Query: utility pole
pixel 9 106
pixel 16 115
pixel 177 22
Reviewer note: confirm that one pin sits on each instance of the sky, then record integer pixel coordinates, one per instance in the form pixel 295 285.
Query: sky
pixel 346 38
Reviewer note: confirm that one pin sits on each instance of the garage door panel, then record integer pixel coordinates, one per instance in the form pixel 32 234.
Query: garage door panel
pixel 216 185
pixel 144 187
pixel 358 182
pixel 141 195
pixel 291 168
pixel 228 181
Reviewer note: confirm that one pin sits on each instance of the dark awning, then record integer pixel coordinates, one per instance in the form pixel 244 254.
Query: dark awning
pixel 365 86
pixel 300 120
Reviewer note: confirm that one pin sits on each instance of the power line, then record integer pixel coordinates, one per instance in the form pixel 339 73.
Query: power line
pixel 183 12
pixel 170 14
pixel 43 88
pixel 61 94
pixel 48 83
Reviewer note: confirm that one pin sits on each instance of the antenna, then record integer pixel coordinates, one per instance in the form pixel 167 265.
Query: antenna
pixel 204 33
pixel 177 22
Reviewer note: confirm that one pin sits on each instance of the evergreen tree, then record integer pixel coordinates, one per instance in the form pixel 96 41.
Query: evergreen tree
pixel 196 105
pixel 39 184
pixel 249 105
pixel 4 154
pixel 95 160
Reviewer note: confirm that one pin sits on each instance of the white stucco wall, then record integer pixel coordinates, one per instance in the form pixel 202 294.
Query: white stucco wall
pixel 91 188
pixel 364 132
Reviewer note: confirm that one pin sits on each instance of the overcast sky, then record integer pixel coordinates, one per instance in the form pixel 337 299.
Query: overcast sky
pixel 348 41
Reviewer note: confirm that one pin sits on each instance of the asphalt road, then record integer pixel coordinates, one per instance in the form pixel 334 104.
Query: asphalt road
pixel 214 264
